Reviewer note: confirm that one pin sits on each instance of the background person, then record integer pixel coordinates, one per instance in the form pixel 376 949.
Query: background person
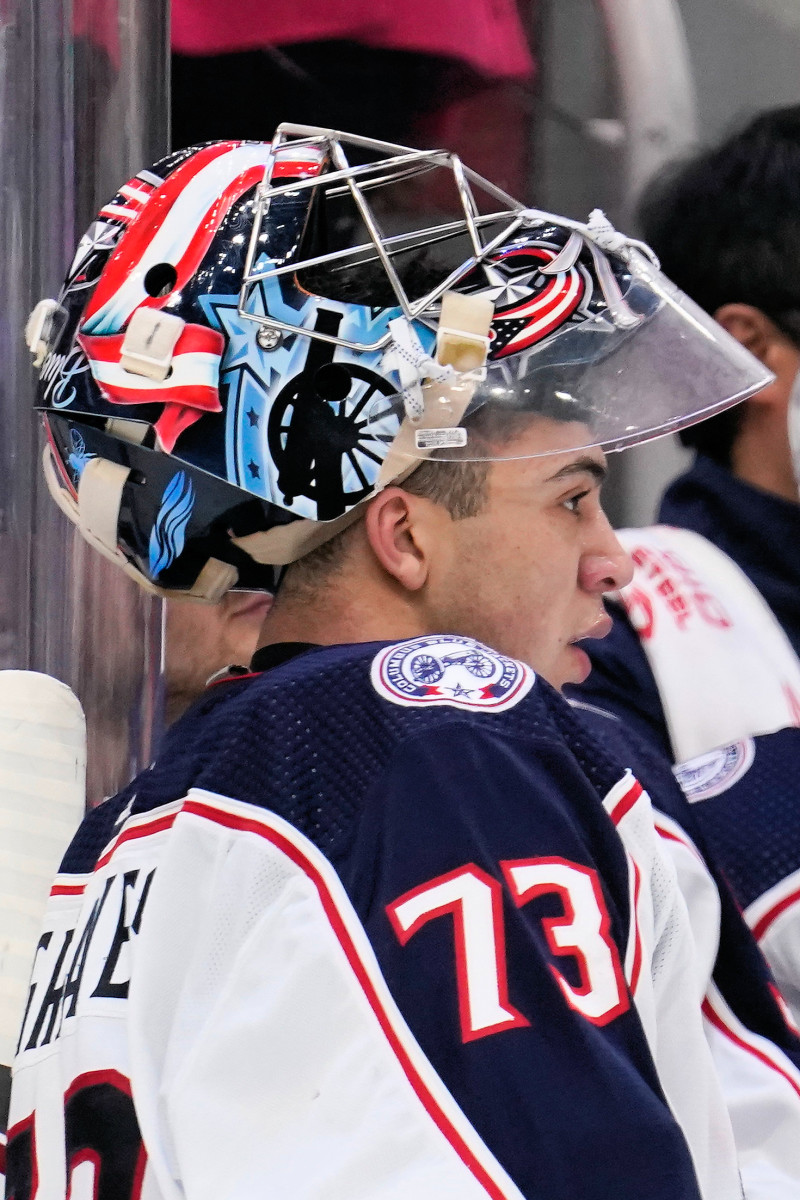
pixel 702 659
pixel 202 639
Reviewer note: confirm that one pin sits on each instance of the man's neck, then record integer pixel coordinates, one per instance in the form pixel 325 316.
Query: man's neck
pixel 338 617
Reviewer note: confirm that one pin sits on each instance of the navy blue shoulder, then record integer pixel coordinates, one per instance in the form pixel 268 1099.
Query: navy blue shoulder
pixel 740 971
pixel 310 738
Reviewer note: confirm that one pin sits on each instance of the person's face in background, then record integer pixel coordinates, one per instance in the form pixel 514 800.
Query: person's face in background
pixel 762 452
pixel 201 639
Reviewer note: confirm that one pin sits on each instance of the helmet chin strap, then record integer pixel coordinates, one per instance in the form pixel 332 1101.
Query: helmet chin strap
pixel 793 422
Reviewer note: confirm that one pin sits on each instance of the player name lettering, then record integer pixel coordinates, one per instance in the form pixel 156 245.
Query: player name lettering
pixel 90 964
pixel 57 374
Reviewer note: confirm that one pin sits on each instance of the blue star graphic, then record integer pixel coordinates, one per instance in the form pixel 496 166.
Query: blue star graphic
pixel 242 351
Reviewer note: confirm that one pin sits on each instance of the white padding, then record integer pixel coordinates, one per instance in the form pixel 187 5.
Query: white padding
pixel 462 336
pixel 38 329
pixel 149 342
pixel 215 579
pixel 129 431
pixel 42 799
pixel 99 499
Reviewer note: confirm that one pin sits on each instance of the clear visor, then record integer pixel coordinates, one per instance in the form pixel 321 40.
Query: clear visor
pixel 659 365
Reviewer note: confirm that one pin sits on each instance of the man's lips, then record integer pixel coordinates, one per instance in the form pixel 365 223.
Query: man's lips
pixel 600 629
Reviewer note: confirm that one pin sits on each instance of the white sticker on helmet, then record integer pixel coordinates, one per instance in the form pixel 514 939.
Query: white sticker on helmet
pixel 434 439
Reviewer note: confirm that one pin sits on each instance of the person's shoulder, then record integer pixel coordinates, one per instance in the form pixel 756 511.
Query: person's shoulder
pixel 362 700
pixel 417 681
pixel 317 737
pixel 455 694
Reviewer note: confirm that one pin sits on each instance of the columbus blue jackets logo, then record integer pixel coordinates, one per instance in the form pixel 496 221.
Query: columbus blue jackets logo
pixel 715 772
pixel 444 669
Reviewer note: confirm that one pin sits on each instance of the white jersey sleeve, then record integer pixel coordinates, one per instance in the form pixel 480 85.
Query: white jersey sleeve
pixel 279 966
pixel 761 1083
pixel 670 993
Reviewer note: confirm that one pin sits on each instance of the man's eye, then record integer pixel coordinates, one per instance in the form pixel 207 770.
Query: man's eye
pixel 572 504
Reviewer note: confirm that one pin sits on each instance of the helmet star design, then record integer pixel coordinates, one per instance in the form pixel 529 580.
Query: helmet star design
pixel 237 317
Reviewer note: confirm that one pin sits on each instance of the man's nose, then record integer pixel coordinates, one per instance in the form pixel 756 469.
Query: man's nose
pixel 606 566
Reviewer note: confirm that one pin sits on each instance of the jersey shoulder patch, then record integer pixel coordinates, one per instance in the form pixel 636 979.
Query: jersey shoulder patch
pixel 444 669
pixel 715 772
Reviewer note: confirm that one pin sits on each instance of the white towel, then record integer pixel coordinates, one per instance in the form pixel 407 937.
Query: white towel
pixel 725 669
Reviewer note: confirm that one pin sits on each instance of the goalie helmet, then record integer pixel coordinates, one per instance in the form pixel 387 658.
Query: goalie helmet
pixel 252 340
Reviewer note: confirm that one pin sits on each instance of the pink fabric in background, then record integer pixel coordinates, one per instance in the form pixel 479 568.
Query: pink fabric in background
pixel 96 21
pixel 486 34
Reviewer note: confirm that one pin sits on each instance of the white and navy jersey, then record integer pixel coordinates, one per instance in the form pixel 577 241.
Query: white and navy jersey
pixel 752 1036
pixel 744 797
pixel 758 531
pixel 742 783
pixel 381 922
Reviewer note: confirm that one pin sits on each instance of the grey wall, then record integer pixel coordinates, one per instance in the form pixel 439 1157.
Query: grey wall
pixel 83 105
pixel 746 57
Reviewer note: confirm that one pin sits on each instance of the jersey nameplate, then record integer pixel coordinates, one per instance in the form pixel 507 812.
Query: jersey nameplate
pixel 89 963
pixel 445 669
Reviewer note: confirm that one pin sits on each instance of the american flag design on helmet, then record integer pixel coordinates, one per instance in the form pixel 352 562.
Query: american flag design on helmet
pixel 152 262
pixel 529 305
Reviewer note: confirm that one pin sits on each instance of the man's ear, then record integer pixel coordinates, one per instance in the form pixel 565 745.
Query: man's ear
pixel 762 337
pixel 395 524
pixel 750 326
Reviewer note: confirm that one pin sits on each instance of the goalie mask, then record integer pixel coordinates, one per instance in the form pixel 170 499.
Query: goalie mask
pixel 252 340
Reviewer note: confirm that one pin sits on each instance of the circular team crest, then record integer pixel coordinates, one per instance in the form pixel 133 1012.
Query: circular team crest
pixel 445 669
pixel 715 772
pixel 528 304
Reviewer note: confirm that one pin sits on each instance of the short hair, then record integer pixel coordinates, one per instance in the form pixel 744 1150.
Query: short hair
pixel 460 487
pixel 726 227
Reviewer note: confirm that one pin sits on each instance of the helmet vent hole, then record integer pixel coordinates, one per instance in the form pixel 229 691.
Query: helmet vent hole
pixel 333 382
pixel 160 279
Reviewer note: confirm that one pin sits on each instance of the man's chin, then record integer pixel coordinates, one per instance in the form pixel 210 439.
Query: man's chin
pixel 574 667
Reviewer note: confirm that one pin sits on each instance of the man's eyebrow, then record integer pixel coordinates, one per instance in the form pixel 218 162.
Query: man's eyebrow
pixel 579 466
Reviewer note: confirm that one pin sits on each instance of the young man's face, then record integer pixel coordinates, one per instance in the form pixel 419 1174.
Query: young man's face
pixel 527 575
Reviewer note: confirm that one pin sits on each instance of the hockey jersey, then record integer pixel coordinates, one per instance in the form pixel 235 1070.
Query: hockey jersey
pixel 743 791
pixel 752 1036
pixel 759 532
pixel 381 921
pixel 744 797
